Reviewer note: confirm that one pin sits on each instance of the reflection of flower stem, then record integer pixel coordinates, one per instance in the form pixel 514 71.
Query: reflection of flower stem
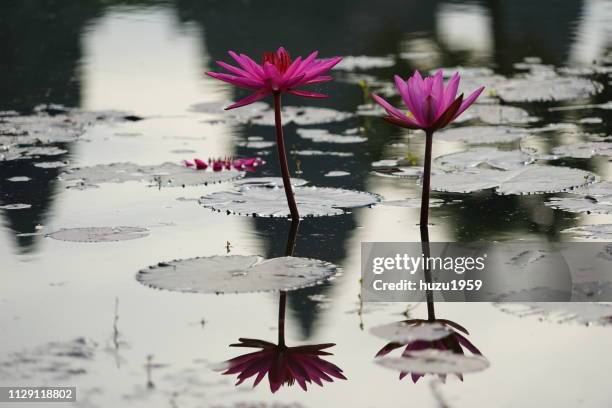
pixel 282 158
pixel 425 221
pixel 282 303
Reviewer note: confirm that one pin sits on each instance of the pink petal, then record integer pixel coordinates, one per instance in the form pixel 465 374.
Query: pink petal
pixel 187 163
pixel 319 79
pixel 390 109
pixel 307 94
pixel 246 65
pixel 235 70
pixel 236 80
pixel 450 93
pixel 437 88
pixel 200 164
pixel 468 101
pixel 249 99
pixel 402 87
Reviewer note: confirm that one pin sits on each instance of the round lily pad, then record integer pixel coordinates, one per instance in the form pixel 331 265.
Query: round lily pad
pixel 403 332
pixel 586 314
pixel 433 361
pixel 600 231
pixel 266 202
pixel 364 62
pixel 324 136
pixel 275 182
pixel 337 173
pixel 17 206
pixel 584 150
pixel 498 159
pixel 482 134
pixel 496 115
pixel 533 179
pixel 536 89
pixel 164 175
pixel 99 234
pixel 237 274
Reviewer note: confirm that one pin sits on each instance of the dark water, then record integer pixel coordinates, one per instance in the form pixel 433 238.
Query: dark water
pixel 148 58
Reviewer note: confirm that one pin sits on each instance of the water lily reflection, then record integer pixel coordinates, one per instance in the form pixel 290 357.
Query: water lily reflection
pixel 282 364
pixel 455 342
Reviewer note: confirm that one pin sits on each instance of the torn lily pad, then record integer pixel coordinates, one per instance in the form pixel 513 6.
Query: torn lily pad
pixel 498 159
pixel 587 314
pixel 533 179
pixel 163 175
pixel 237 274
pixel 482 134
pixel 324 136
pixel 431 361
pixel 99 234
pixel 547 89
pixel 266 202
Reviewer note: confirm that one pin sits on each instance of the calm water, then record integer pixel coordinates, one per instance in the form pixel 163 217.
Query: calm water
pixel 157 349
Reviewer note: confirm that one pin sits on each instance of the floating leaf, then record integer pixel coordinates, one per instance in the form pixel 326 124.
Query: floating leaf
pixel 412 203
pixel 165 175
pixel 595 314
pixel 19 179
pixel 276 182
pixel 601 231
pixel 533 179
pixel 499 159
pixel 266 202
pixel 594 198
pixel 236 274
pixel 584 150
pixel 537 89
pixel 321 153
pixel 403 332
pixel 496 115
pixel 432 361
pixel 300 115
pixel 17 206
pixel 50 165
pixel 482 134
pixel 337 173
pixel 324 136
pixel 364 62
pixel 99 234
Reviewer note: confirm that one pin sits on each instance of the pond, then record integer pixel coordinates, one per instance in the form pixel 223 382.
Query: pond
pixel 103 101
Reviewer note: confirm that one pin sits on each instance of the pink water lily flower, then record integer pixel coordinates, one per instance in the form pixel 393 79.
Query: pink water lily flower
pixel 277 73
pixel 431 105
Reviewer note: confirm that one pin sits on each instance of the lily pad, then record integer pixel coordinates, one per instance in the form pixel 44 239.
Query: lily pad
pixel 274 182
pixel 537 89
pixel 364 62
pixel 337 173
pixel 300 115
pixel 266 202
pixel 533 179
pixel 482 134
pixel 237 274
pixel 584 150
pixel 50 165
pixel 19 179
pixel 164 175
pixel 432 361
pixel 321 153
pixel 17 206
pixel 99 234
pixel 324 136
pixel 403 332
pixel 496 115
pixel 498 159
pixel 595 198
pixel 600 231
pixel 413 203
pixel 588 314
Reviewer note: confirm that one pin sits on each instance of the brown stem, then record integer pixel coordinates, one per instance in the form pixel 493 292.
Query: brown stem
pixel 282 158
pixel 293 230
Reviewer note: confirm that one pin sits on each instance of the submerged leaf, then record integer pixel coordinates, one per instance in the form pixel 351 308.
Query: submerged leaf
pixel 236 274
